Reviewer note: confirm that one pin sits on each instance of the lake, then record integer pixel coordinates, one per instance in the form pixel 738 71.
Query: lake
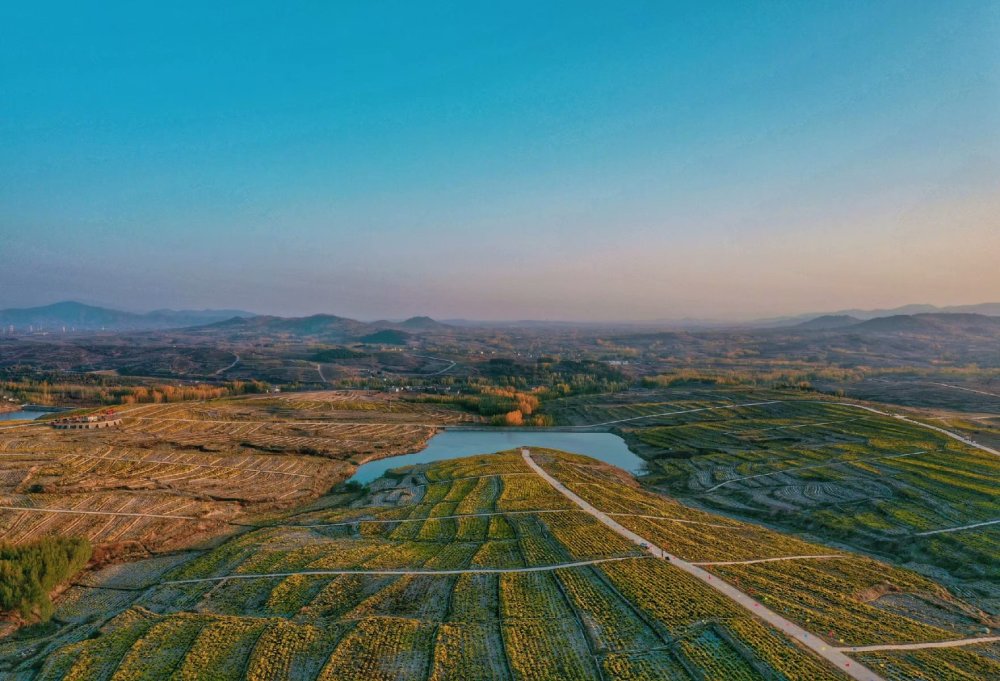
pixel 454 444
pixel 22 415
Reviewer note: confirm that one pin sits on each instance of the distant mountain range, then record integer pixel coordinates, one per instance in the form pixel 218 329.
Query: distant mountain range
pixel 843 317
pixel 73 316
pixel 828 322
pixel 812 320
pixel 921 323
pixel 325 327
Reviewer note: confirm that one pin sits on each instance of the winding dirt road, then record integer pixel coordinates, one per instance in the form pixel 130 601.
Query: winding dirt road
pixel 231 366
pixel 952 435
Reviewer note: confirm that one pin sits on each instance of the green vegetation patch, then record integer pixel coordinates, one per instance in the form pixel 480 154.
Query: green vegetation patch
pixel 28 572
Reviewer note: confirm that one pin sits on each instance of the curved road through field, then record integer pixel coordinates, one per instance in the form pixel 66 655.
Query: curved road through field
pixel 952 435
pixel 833 655
pixel 227 368
pixel 451 365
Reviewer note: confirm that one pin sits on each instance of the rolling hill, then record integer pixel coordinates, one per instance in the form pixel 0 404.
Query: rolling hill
pixel 74 316
pixel 925 323
pixel 322 327
pixel 828 322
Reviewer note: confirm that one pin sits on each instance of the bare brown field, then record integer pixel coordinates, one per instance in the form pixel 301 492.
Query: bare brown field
pixel 176 474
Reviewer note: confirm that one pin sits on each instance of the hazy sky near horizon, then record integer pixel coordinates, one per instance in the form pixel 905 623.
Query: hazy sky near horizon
pixel 566 160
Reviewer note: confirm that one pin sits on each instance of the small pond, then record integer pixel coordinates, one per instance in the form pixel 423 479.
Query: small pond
pixel 454 444
pixel 22 415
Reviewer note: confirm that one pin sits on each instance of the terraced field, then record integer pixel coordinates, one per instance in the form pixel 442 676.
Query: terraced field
pixel 835 472
pixel 177 473
pixel 479 568
pixel 959 393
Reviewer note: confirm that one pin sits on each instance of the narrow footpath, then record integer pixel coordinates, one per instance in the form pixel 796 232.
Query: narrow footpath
pixel 456 571
pixel 921 646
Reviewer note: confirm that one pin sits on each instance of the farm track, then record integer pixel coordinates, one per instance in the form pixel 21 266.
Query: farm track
pixel 920 646
pixel 280 423
pixel 231 366
pixel 850 667
pixel 957 529
pixel 673 520
pixel 822 556
pixel 24 424
pixel 457 571
pixel 959 387
pixel 951 434
pixel 451 365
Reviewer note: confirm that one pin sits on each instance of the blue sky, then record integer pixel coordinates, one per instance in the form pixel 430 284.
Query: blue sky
pixel 574 160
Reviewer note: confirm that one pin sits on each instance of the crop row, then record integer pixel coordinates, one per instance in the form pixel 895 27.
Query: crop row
pixel 831 597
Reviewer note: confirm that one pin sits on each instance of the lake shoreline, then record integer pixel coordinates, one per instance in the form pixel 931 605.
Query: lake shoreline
pixel 459 442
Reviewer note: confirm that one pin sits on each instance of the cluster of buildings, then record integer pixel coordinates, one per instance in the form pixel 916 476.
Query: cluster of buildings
pixel 107 419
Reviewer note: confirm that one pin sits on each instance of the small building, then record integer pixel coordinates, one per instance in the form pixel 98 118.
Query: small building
pixel 107 419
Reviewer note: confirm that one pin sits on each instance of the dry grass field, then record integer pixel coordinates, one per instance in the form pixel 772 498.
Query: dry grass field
pixel 174 474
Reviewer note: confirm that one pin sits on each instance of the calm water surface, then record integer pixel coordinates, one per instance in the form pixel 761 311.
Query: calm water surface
pixel 454 444
pixel 22 415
